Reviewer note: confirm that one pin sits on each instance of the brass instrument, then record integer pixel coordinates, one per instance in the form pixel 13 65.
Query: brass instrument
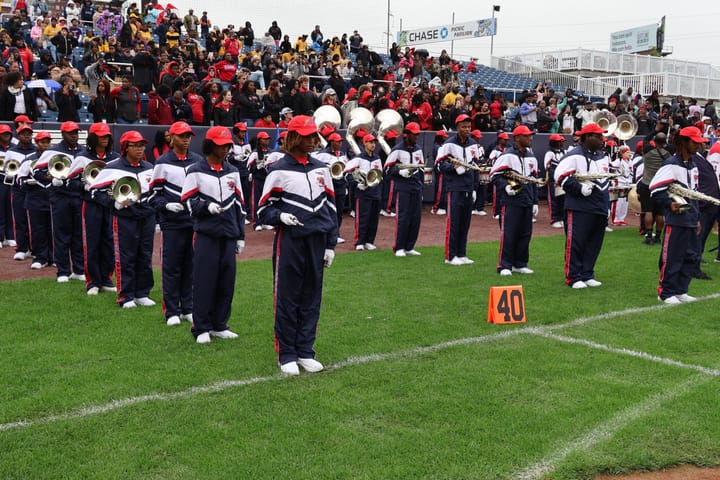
pixel 413 166
pixel 337 170
pixel 2 164
pixel 126 190
pixel 59 166
pixel 372 178
pixel 517 180
pixel 467 165
pixel 11 168
pixel 387 121
pixel 588 177
pixel 91 171
pixel 360 117
pixel 627 127
pixel 680 194
pixel 261 160
pixel 326 115
pixel 607 121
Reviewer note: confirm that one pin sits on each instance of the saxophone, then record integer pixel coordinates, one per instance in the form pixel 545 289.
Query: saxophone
pixel 679 194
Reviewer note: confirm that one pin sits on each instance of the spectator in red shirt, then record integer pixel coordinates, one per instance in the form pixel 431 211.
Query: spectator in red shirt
pixel 265 121
pixel 225 70
pixel 422 109
pixel 232 45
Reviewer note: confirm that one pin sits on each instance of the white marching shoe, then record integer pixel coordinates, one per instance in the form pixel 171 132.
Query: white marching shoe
pixel 172 321
pixel 523 270
pixel 203 338
pixel 310 365
pixel 225 334
pixel 290 368
pixel 145 301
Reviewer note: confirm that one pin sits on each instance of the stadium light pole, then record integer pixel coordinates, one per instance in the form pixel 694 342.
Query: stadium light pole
pixel 496 8
pixel 387 37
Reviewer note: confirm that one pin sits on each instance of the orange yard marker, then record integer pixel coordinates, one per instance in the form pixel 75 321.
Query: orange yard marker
pixel 506 305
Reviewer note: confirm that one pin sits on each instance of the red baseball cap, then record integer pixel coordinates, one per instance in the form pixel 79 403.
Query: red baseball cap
pixel 241 126
pixel 522 130
pixel 610 143
pixel 476 133
pixel 23 119
pixel 303 125
pixel 23 128
pixel 557 138
pixel 69 126
pixel 41 135
pixel 5 128
pixel 441 133
pixel 365 95
pixel 694 134
pixel 100 129
pixel 262 135
pixel 591 128
pixel 283 134
pixel 360 132
pixel 219 135
pixel 412 127
pixel 327 130
pixel 132 136
pixel 504 135
pixel 178 128
pixel 392 134
pixel 335 137
pixel 462 118
pixel 369 138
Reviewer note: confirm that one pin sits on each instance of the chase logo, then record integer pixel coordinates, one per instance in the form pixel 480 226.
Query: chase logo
pixel 444 33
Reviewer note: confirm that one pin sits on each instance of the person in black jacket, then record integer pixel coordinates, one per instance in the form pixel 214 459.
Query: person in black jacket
pixel 68 101
pixel 14 93
pixel 249 105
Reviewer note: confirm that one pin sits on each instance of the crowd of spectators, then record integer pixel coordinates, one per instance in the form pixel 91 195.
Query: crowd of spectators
pixel 195 71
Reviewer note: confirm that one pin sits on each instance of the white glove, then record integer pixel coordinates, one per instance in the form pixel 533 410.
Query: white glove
pixel 214 209
pixel 328 258
pixel 119 206
pixel 239 246
pixel 405 173
pixel 175 207
pixel 536 210
pixel 474 196
pixel 87 187
pixel 290 219
pixel 460 170
pixel 586 189
pixel 362 186
pixel 56 182
pixel 510 190
pixel 31 181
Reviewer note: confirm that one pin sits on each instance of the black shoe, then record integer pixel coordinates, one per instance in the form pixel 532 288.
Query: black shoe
pixel 648 240
pixel 700 275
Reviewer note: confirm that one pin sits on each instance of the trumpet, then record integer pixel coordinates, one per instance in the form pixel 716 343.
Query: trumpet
pixel 467 165
pixel 11 168
pixel 91 171
pixel 126 190
pixel 337 170
pixel 680 194
pixel 371 178
pixel 59 166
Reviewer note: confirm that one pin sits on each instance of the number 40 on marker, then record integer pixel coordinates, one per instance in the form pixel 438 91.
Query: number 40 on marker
pixel 506 305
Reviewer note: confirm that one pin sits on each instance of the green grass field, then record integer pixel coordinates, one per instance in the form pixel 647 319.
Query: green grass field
pixel 418 384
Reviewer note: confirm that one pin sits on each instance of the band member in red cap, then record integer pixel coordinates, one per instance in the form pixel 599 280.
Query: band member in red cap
pixel 387 199
pixel 367 194
pixel 299 199
pixel 680 252
pixel 519 203
pixel 497 150
pixel 439 203
pixel 258 167
pixel 482 178
pixel 238 158
pixel 555 194
pixel 19 153
pixel 213 197
pixel 35 181
pixel 336 161
pixel 408 189
pixel 7 236
pixel 133 219
pixel 586 205
pixel 96 217
pixel 176 224
pixel 459 185
pixel 66 208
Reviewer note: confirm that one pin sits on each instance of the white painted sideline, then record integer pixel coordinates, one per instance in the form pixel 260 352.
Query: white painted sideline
pixel 352 361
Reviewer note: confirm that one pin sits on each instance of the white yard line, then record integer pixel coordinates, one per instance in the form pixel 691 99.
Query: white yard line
pixel 349 362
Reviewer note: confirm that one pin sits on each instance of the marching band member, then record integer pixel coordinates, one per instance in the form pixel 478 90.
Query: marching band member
pixel 498 149
pixel 387 198
pixel 257 165
pixel 519 203
pixel 7 236
pixel 586 206
pixel 678 256
pixel 622 165
pixel 439 205
pixel 211 192
pixel 36 181
pixel 239 155
pixel 298 198
pixel 65 207
pixel 367 197
pixel 176 224
pixel 19 152
pixel 458 184
pixel 555 195
pixel 408 189
pixel 133 221
pixel 481 185
pixel 331 155
pixel 99 256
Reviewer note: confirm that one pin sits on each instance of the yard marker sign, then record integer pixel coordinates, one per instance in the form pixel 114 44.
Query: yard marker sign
pixel 506 305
